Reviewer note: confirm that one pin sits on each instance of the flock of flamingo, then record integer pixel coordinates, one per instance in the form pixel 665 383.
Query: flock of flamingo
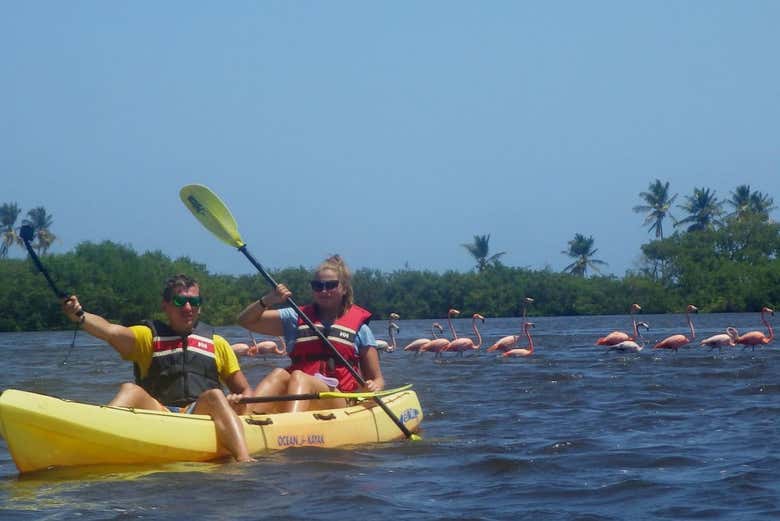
pixel 621 341
pixel 509 346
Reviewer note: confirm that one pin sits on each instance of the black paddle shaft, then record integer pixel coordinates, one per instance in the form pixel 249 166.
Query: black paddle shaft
pixel 281 398
pixel 26 233
pixel 325 340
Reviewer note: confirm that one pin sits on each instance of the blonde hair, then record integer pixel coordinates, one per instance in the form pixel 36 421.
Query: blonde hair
pixel 337 264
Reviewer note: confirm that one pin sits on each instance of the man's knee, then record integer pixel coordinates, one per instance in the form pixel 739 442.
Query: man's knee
pixel 130 387
pixel 212 395
pixel 210 400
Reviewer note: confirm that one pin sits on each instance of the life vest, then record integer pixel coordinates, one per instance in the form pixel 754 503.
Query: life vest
pixel 311 355
pixel 182 367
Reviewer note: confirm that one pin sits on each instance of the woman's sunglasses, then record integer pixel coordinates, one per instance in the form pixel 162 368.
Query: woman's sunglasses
pixel 322 285
pixel 180 300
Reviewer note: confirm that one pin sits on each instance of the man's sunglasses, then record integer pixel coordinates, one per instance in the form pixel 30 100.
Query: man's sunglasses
pixel 180 300
pixel 322 285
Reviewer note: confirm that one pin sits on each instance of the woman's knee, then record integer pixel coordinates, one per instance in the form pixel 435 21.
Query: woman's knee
pixel 298 374
pixel 276 378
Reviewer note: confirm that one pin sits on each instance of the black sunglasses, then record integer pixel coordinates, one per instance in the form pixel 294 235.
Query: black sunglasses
pixel 180 300
pixel 322 285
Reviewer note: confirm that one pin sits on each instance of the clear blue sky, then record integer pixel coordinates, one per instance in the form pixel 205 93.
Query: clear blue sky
pixel 391 132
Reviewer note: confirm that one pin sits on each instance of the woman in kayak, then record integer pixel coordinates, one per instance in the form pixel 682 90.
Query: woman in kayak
pixel 179 366
pixel 314 367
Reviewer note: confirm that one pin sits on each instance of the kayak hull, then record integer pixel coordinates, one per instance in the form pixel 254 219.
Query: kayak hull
pixel 42 431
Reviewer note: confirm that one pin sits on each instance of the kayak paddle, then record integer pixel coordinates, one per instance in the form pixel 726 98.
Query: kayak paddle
pixel 215 216
pixel 326 394
pixel 26 232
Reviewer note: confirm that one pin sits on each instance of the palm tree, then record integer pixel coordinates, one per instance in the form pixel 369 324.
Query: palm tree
pixel 703 209
pixel 657 206
pixel 740 201
pixel 581 249
pixel 41 221
pixel 480 249
pixel 748 204
pixel 761 205
pixel 9 212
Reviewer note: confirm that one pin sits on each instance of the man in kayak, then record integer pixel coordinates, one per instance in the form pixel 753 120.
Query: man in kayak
pixel 314 367
pixel 179 367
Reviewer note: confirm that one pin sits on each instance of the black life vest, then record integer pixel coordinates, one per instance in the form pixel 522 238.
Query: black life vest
pixel 182 367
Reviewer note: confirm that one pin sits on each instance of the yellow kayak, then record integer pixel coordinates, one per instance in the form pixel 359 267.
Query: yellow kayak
pixel 43 431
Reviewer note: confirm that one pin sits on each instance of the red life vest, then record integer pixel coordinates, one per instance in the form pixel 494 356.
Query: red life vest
pixel 311 355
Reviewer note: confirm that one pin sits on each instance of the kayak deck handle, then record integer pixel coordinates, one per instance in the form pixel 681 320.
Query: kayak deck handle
pixel 264 421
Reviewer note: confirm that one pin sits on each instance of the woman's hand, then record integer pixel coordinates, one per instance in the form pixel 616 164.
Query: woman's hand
pixel 374 385
pixel 279 295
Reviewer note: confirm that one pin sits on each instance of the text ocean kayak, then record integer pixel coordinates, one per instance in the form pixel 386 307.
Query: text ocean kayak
pixel 43 431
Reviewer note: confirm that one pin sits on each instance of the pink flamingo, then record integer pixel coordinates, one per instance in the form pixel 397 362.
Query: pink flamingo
pixel 631 345
pixel 510 342
pixel 392 328
pixel 616 337
pixel 417 344
pixel 754 338
pixel 727 339
pixel 677 341
pixel 266 347
pixel 242 349
pixel 464 343
pixel 520 351
pixel 437 345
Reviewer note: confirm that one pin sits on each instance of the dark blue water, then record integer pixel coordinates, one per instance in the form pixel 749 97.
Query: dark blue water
pixel 571 433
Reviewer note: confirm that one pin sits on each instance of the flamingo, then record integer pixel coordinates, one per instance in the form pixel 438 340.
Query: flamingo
pixel 266 347
pixel 242 349
pixel 417 344
pixel 520 351
pixel 464 343
pixel 754 338
pixel 392 328
pixel 437 345
pixel 510 342
pixel 616 337
pixel 677 341
pixel 727 339
pixel 631 345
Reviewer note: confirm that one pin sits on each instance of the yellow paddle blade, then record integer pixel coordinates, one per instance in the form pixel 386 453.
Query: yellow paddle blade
pixel 364 395
pixel 212 213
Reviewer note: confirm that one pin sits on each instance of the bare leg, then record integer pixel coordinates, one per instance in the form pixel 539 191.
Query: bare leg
pixel 274 384
pixel 230 432
pixel 132 395
pixel 302 383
